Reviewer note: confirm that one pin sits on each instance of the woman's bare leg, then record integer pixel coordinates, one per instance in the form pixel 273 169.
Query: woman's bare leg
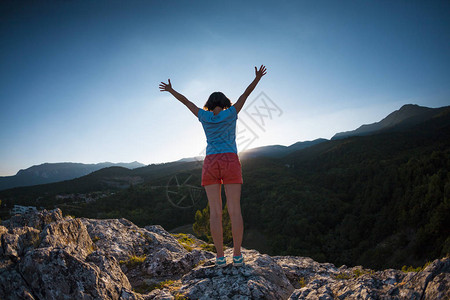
pixel 213 192
pixel 233 193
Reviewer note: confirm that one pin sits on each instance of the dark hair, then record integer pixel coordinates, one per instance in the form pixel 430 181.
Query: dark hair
pixel 217 99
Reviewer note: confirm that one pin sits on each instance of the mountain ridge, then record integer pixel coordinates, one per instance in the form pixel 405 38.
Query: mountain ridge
pixel 54 172
pixel 408 115
pixel 279 150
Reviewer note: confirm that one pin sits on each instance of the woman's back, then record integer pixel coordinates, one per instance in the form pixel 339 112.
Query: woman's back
pixel 220 130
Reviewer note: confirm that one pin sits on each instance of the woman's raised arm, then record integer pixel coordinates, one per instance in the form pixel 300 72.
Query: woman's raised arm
pixel 258 75
pixel 167 87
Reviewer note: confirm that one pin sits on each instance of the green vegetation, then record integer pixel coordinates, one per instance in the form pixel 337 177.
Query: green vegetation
pixel 358 272
pixel 411 269
pixel 165 283
pixel 377 201
pixel 184 240
pixel 133 261
pixel 187 247
pixel 407 269
pixel 302 282
pixel 172 285
pixel 208 247
pixel 200 263
pixel 344 276
pixel 93 248
pixel 146 237
pixel 202 230
pixel 36 241
pixel 144 288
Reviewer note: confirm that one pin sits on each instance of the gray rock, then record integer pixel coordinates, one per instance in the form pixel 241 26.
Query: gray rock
pixel 13 285
pixel 260 278
pixel 46 256
pixel 69 234
pixel 57 274
pixel 438 288
pixel 3 230
pixel 159 294
pixel 415 285
pixel 37 220
pixel 119 237
pixel 16 243
pixel 304 269
pixel 164 256
pixel 360 283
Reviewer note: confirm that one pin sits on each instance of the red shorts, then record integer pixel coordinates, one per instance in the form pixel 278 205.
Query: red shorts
pixel 221 168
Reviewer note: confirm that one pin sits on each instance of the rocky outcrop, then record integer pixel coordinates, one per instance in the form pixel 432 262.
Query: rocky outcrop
pixel 46 256
pixel 260 278
pixel 315 280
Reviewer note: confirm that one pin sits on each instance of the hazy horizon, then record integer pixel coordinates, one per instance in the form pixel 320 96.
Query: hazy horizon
pixel 127 162
pixel 79 80
pixel 163 162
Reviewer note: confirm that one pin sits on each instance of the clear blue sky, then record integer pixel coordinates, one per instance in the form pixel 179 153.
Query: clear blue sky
pixel 79 79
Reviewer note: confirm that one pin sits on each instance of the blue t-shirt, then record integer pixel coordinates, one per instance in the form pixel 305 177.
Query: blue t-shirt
pixel 220 130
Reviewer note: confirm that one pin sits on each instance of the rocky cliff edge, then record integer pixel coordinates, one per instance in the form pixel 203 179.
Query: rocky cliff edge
pixel 46 256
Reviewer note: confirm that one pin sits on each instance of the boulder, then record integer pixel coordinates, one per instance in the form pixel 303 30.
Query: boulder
pixel 426 284
pixel 13 285
pixel 21 239
pixel 303 269
pixel 162 255
pixel 360 283
pixel 53 273
pixel 44 256
pixel 259 278
pixel 69 234
pixel 119 237
pixel 34 219
pixel 438 288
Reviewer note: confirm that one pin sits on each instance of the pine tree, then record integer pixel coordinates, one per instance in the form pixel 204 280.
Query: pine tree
pixel 202 229
pixel 201 226
pixel 226 225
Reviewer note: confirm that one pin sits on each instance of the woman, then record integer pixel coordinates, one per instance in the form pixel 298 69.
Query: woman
pixel 221 164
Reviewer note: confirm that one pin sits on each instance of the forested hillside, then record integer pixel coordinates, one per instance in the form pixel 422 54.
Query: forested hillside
pixel 380 201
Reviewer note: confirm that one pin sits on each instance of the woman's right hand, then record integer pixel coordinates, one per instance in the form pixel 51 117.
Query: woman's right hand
pixel 261 72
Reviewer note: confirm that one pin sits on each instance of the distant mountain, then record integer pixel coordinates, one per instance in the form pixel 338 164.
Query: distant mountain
pixel 278 151
pixel 105 179
pixel 189 159
pixel 407 116
pixel 275 151
pixel 54 172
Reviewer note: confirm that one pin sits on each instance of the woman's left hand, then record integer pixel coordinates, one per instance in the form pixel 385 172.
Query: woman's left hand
pixel 165 87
